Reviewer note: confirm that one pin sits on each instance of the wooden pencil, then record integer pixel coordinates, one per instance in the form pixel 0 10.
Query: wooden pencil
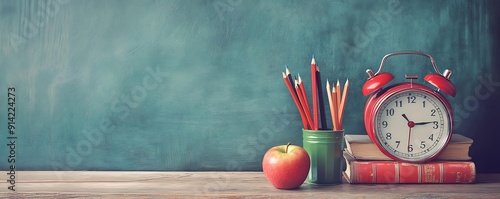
pixel 342 103
pixel 289 75
pixel 335 93
pixel 322 114
pixel 302 88
pixel 314 94
pixel 296 100
pixel 290 78
pixel 339 92
pixel 330 101
pixel 300 94
pixel 335 109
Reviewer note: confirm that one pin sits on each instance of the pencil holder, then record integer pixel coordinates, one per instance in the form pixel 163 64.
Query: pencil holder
pixel 325 151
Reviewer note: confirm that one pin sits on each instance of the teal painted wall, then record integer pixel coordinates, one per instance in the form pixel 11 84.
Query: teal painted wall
pixel 196 85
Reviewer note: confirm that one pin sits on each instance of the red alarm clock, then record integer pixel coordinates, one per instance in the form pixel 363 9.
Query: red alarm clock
pixel 409 121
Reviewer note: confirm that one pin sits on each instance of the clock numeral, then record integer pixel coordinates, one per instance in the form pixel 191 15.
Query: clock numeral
pixel 431 137
pixel 433 112
pixel 397 143
pixel 411 99
pixel 399 103
pixel 384 124
pixel 389 112
pixel 422 144
pixel 410 148
pixel 388 136
pixel 423 104
pixel 436 125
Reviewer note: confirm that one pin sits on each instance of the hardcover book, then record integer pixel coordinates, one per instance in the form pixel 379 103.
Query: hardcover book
pixel 391 172
pixel 362 148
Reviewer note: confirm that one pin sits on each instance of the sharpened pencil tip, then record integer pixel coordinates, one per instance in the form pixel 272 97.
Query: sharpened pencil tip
pixel 287 71
pixel 313 61
pixel 284 76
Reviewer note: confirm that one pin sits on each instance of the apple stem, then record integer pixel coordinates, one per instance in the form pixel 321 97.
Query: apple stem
pixel 287 145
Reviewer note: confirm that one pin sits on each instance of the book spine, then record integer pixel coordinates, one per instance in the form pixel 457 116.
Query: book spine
pixel 387 172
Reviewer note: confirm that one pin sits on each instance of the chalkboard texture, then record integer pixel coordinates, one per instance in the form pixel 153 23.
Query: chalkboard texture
pixel 196 85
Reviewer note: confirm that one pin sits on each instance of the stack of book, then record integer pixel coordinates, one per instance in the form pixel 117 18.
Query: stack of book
pixel 365 163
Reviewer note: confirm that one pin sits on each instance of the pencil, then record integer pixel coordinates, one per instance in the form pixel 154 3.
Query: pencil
pixel 314 93
pixel 342 104
pixel 295 99
pixel 321 100
pixel 339 92
pixel 302 88
pixel 329 94
pixel 335 109
pixel 289 75
pixel 302 100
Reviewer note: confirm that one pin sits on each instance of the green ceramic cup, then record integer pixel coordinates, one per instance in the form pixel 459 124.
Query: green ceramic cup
pixel 325 151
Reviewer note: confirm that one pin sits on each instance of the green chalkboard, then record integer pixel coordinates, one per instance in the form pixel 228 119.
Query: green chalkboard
pixel 196 85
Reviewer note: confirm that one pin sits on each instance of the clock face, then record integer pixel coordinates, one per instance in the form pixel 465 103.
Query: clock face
pixel 412 125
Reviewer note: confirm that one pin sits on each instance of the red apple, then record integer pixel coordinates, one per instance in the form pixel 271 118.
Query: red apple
pixel 286 166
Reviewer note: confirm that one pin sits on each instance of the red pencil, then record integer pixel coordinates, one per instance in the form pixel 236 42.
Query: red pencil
pixel 296 100
pixel 289 76
pixel 314 93
pixel 303 102
pixel 303 89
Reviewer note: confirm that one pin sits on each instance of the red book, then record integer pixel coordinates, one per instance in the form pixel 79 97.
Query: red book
pixel 393 172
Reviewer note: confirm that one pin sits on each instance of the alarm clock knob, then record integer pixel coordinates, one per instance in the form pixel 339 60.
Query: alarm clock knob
pixel 375 81
pixel 442 82
pixel 447 74
pixel 370 73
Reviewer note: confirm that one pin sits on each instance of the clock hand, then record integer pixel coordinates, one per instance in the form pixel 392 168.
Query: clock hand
pixel 406 118
pixel 422 123
pixel 409 139
pixel 411 124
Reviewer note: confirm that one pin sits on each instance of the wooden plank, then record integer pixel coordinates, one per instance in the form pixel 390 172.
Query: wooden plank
pixel 51 184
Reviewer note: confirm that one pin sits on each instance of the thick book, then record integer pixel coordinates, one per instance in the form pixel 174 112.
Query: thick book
pixel 394 172
pixel 362 148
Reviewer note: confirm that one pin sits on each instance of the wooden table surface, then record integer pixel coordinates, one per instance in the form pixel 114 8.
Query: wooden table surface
pixel 99 184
